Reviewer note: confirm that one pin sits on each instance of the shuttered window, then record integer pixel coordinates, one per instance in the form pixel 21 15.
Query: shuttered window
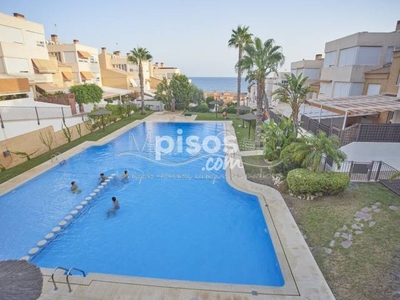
pixel 368 56
pixel 373 89
pixel 330 59
pixel 347 57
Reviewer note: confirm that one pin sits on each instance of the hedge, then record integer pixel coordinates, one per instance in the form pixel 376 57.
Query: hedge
pixel 304 181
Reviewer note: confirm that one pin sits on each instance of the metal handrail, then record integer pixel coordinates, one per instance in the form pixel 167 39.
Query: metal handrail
pixel 57 157
pixel 69 273
pixel 52 277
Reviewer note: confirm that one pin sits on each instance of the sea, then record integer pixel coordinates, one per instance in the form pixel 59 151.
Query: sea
pixel 219 84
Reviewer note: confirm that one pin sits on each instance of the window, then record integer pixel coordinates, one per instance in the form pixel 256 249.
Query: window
pixel 373 89
pixel 330 59
pixel 368 56
pixel 347 57
pixel 11 35
pixel 70 56
pixel 56 54
pixel 389 55
pixel 312 74
pixel 34 39
pixel 341 89
pixel 16 65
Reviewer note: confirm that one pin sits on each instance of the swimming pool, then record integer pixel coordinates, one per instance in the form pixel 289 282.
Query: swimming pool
pixel 177 220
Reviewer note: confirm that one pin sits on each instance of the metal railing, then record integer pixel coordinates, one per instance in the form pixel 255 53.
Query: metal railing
pixel 69 273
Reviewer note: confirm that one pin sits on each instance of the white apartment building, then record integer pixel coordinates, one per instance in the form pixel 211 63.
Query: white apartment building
pixel 23 52
pixel 83 59
pixel 348 58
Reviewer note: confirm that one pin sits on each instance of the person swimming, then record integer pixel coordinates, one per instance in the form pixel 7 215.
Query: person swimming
pixel 125 176
pixel 102 177
pixel 74 188
pixel 114 208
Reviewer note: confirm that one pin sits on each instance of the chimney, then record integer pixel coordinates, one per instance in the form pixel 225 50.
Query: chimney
pixel 117 53
pixel 156 65
pixel 103 49
pixel 54 38
pixel 162 65
pixel 398 26
pixel 128 54
pixel 19 16
pixel 318 57
pixel 76 41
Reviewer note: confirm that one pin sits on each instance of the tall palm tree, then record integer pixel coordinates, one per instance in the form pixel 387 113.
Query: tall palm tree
pixel 311 150
pixel 293 92
pixel 239 38
pixel 138 56
pixel 259 60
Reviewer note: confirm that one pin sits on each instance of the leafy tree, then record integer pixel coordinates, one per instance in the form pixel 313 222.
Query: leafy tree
pixel 181 89
pixel 309 151
pixel 260 59
pixel 87 93
pixel 138 56
pixel 293 92
pixel 196 95
pixel 239 38
pixel 164 94
pixel 208 100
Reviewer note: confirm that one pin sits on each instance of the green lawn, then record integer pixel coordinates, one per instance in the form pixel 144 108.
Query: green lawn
pixel 370 268
pixel 94 136
pixel 245 141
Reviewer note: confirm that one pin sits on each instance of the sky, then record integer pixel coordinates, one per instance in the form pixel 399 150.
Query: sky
pixel 193 35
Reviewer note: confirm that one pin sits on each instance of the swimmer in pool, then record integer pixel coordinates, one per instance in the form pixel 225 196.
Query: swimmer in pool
pixel 125 176
pixel 114 208
pixel 74 188
pixel 102 177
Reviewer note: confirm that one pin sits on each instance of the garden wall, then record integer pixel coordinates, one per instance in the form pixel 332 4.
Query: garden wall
pixel 31 143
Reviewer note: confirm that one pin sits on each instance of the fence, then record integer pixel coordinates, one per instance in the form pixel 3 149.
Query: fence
pixel 18 113
pixel 366 172
pixel 388 133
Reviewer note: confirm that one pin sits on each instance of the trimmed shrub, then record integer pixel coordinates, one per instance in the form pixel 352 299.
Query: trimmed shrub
pixel 304 181
pixel 203 107
pixel 230 109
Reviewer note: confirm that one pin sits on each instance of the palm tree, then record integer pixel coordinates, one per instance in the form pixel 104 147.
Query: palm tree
pixel 293 92
pixel 311 150
pixel 239 38
pixel 260 60
pixel 138 56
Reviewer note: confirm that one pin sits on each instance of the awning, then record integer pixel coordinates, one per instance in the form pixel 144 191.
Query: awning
pixel 358 105
pixel 87 74
pixel 84 54
pixel 133 82
pixel 14 85
pixel 48 87
pixel 44 66
pixel 68 75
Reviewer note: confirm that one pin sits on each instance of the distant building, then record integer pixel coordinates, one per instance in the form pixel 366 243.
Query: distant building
pixel 24 61
pixel 310 69
pixel 160 71
pixel 348 58
pixel 82 59
pixel 118 72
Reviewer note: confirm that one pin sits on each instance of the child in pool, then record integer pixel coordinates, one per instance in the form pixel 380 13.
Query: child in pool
pixel 74 188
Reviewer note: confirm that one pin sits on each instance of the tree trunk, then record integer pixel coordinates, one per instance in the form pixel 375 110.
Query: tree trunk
pixel 141 87
pixel 259 114
pixel 295 114
pixel 172 104
pixel 239 81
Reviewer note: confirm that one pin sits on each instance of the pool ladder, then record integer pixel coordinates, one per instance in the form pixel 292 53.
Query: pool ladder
pixel 58 157
pixel 67 276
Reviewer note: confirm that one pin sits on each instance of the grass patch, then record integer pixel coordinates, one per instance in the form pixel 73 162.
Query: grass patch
pixel 94 136
pixel 369 269
pixel 245 141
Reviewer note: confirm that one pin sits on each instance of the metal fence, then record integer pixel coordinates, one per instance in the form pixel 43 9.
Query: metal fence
pixel 387 133
pixel 18 113
pixel 366 172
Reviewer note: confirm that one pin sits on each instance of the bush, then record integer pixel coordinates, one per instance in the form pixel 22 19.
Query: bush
pixel 304 181
pixel 203 107
pixel 230 109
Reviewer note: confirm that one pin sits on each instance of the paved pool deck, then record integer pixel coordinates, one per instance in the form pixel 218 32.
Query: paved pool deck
pixel 303 278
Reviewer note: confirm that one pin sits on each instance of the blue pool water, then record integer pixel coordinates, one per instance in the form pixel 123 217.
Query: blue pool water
pixel 177 220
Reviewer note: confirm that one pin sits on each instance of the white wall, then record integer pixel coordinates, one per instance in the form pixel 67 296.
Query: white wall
pixel 16 128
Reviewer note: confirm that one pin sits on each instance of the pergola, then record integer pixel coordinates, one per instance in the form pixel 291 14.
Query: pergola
pixel 357 106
